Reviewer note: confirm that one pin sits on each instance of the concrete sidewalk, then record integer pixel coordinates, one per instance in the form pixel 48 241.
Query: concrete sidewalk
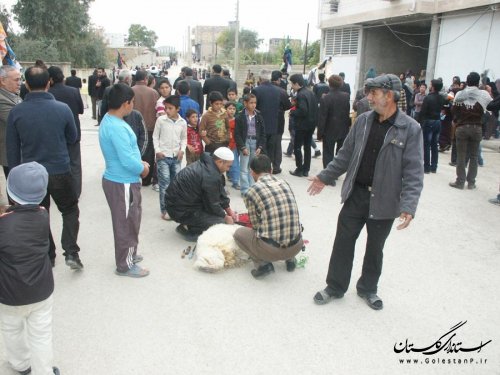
pixel 442 270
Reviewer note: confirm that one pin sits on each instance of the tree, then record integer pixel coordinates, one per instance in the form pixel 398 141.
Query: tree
pixel 140 36
pixel 5 19
pixel 31 50
pixel 313 53
pixel 58 30
pixel 62 20
pixel 89 50
pixel 248 40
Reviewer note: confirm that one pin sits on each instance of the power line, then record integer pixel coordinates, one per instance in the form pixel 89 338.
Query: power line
pixel 440 45
pixel 419 20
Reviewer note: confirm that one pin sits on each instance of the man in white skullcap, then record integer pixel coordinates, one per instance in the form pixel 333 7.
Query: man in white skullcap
pixel 196 198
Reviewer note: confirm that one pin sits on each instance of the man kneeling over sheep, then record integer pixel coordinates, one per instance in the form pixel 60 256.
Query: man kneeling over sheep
pixel 273 212
pixel 196 197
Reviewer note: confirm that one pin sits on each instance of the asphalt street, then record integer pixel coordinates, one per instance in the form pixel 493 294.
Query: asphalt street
pixel 442 270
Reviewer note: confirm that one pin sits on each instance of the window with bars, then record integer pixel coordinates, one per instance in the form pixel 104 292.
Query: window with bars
pixel 342 41
pixel 334 6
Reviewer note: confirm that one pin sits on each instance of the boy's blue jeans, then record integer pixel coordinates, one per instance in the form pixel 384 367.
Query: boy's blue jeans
pixel 246 179
pixel 234 171
pixel 167 169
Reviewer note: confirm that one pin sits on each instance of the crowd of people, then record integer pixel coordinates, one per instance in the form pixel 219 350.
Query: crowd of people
pixel 148 125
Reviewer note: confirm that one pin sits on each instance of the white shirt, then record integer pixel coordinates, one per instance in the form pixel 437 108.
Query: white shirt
pixel 170 136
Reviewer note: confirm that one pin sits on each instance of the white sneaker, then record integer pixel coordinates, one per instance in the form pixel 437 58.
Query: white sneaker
pixel 156 187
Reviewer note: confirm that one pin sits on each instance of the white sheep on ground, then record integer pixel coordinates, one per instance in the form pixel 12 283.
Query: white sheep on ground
pixel 216 249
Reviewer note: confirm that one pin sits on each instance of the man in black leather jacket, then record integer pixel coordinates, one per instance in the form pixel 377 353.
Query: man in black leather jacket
pixel 305 119
pixel 196 197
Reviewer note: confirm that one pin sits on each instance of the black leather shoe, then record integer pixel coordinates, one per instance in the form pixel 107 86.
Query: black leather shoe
pixel 186 233
pixel 276 171
pixel 74 262
pixel 262 271
pixel 456 185
pixel 297 173
pixel 305 174
pixel 290 264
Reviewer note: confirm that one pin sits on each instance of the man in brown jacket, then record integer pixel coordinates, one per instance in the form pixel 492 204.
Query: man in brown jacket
pixel 145 102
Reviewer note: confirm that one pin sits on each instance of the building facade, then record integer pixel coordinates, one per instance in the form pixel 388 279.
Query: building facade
pixel 431 38
pixel 165 50
pixel 204 42
pixel 115 40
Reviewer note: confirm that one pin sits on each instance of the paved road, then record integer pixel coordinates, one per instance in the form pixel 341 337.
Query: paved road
pixel 440 271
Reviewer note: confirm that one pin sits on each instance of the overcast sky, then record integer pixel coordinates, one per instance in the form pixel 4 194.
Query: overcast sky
pixel 170 18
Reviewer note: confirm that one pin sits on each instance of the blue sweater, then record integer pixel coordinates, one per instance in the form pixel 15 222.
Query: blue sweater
pixel 39 129
pixel 119 148
pixel 186 104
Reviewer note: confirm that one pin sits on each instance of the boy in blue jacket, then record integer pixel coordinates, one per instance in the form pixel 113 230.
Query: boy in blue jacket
pixel 121 181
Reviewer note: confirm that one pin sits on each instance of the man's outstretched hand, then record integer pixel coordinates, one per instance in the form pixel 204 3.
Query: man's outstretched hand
pixel 316 186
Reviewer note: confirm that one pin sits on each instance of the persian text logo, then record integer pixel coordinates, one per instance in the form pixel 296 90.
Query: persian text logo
pixel 447 344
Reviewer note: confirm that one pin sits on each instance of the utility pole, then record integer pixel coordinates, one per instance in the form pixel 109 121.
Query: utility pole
pixel 305 50
pixel 236 41
pixel 189 55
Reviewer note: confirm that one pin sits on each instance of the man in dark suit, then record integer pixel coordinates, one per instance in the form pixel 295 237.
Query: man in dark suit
pixel 74 81
pixel 71 96
pixel 216 83
pixel 195 88
pixel 227 75
pixel 334 120
pixel 272 103
pixel 345 86
pixel 93 93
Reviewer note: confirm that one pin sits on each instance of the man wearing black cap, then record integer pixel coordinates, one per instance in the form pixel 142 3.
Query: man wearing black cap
pixel 382 159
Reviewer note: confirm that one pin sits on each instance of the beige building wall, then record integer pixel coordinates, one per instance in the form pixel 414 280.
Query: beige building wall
pixel 204 39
